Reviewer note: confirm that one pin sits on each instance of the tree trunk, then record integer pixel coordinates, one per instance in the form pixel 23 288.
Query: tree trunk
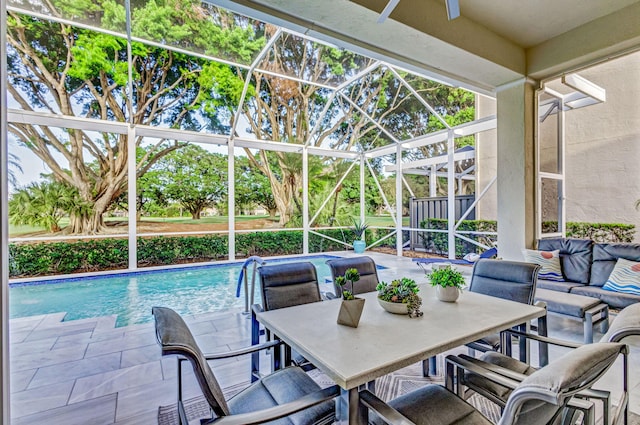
pixel 195 215
pixel 87 224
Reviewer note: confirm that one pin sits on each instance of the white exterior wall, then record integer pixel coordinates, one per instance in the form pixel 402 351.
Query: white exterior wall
pixel 602 150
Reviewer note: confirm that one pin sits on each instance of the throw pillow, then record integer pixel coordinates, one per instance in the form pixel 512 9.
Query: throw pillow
pixel 549 262
pixel 625 277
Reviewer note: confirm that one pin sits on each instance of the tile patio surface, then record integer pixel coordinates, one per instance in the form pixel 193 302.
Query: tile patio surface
pixel 88 371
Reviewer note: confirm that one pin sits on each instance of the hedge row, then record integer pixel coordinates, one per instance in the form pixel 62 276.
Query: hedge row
pixel 599 232
pixel 46 258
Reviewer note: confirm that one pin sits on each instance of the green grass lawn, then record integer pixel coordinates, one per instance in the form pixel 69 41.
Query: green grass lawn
pixel 18 230
pixel 204 220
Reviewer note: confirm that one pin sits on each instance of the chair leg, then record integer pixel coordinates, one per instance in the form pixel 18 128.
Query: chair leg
pixel 430 367
pixel 543 347
pixel 523 344
pixel 255 340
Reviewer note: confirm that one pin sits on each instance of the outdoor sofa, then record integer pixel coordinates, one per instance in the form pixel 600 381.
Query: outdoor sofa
pixel 586 267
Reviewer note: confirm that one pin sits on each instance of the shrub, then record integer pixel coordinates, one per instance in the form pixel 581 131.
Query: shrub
pixel 599 232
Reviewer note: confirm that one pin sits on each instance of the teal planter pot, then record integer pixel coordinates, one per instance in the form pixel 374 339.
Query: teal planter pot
pixel 359 246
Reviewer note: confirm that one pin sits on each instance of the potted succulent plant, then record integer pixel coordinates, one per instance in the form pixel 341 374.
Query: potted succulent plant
pixel 351 307
pixel 400 297
pixel 358 229
pixel 448 282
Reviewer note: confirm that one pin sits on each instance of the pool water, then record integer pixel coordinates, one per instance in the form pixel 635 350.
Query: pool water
pixel 130 296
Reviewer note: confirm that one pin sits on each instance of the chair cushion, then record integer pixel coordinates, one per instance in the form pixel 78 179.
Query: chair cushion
pixel 278 388
pixel 476 382
pixel 605 256
pixel 625 277
pixel 617 300
pixel 434 404
pixel 549 262
pixel 575 256
pixel 492 342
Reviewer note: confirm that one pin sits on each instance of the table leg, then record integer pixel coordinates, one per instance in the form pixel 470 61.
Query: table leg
pixel 349 410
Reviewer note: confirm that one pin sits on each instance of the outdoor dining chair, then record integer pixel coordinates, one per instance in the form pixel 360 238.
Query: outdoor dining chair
pixel 283 285
pixel 510 280
pixel 287 395
pixel 366 268
pixel 545 397
pixel 626 323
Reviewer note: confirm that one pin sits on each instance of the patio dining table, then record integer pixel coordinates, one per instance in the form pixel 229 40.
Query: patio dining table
pixel 385 342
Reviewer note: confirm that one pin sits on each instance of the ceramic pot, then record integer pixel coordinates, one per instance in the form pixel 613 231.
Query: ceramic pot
pixel 359 246
pixel 395 308
pixel 350 312
pixel 447 294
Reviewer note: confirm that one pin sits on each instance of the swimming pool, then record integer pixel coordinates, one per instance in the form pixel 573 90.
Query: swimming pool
pixel 130 296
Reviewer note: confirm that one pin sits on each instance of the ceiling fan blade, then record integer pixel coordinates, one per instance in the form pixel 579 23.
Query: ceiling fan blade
pixel 387 10
pixel 453 9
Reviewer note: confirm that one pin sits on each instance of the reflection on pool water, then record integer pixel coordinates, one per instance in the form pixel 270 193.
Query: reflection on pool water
pixel 130 296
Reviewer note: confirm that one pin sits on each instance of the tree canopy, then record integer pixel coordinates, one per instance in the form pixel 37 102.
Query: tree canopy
pixel 76 72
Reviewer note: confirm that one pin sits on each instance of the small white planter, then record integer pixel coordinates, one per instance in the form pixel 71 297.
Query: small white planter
pixel 395 308
pixel 447 294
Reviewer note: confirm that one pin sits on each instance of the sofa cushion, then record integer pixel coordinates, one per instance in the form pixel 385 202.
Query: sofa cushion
pixel 616 300
pixel 575 257
pixel 605 256
pixel 625 277
pixel 549 262
pixel 570 304
pixel 557 286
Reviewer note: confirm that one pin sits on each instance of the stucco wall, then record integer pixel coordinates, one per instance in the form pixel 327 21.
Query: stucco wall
pixel 602 149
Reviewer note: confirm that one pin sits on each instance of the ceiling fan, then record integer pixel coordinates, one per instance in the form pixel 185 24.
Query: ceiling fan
pixel 453 9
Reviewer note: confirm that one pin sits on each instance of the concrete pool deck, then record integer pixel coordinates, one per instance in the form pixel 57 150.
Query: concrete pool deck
pixel 89 371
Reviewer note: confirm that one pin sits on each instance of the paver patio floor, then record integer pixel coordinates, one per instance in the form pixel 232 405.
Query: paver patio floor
pixel 89 371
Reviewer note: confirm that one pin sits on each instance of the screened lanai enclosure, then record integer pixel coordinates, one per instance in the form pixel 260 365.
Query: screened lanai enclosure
pixel 218 113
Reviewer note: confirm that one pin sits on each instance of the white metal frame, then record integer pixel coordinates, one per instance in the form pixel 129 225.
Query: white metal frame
pixel 559 176
pixel 5 414
pixel 395 148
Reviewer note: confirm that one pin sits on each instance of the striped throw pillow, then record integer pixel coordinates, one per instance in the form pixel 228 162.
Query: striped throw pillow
pixel 625 277
pixel 549 262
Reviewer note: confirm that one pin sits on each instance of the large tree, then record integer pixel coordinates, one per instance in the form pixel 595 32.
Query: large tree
pixel 194 177
pixel 69 71
pixel 363 113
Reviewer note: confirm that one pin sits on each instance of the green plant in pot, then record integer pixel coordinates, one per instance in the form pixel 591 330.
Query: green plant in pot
pixel 351 307
pixel 448 282
pixel 400 297
pixel 358 229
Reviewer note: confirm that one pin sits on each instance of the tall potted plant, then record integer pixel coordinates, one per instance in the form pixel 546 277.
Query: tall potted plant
pixel 358 229
pixel 351 307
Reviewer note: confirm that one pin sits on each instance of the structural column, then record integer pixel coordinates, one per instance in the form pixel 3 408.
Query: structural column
pixel 4 228
pixel 516 171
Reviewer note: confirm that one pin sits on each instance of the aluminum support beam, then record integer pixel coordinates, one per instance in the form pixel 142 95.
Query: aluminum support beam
pixel 132 190
pixel 399 201
pixel 5 414
pixel 451 195
pixel 305 201
pixel 231 196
